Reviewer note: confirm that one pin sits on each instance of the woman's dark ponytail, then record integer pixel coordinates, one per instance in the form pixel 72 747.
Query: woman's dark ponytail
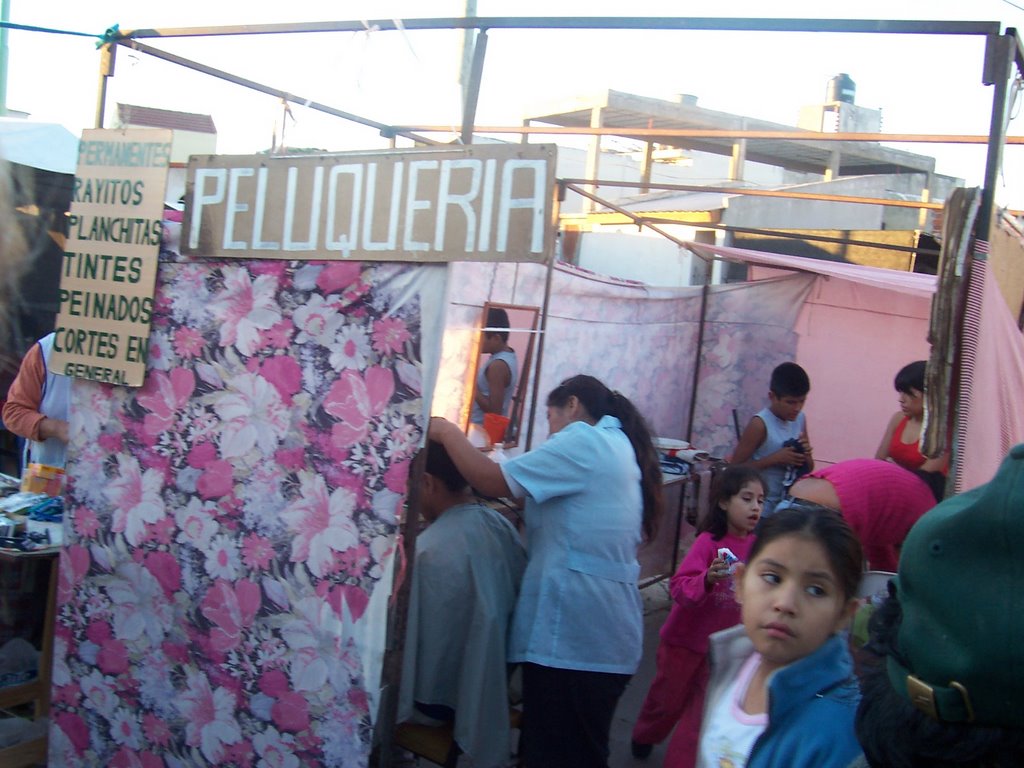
pixel 635 427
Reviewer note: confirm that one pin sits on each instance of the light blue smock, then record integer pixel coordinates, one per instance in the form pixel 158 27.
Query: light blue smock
pixel 579 606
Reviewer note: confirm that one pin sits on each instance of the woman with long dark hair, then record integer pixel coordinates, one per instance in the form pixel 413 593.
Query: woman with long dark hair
pixel 900 443
pixel 592 493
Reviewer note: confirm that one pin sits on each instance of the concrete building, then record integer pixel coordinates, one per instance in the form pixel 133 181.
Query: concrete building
pixel 720 156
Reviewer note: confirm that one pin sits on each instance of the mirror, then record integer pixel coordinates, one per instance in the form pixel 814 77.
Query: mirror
pixel 514 351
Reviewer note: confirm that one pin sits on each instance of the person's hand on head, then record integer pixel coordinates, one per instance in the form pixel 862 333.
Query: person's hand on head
pixel 437 427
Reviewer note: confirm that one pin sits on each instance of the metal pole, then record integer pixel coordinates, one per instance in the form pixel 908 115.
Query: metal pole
pixel 846 241
pixel 693 23
pixel 999 55
pixel 473 87
pixel 385 130
pixel 705 289
pixel 5 16
pixel 108 55
pixel 466 54
pixel 721 133
pixel 640 220
pixel 559 195
pixel 759 193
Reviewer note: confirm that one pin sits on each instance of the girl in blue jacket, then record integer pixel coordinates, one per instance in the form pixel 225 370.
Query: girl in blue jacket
pixel 782 692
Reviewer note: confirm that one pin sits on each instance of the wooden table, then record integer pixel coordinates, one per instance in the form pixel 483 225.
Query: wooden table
pixel 660 557
pixel 35 692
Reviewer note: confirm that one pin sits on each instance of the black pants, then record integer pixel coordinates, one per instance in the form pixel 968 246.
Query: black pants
pixel 567 715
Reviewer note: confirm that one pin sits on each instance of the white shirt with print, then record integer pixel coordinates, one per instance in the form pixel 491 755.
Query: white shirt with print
pixel 729 732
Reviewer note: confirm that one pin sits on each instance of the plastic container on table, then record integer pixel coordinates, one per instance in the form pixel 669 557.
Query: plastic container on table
pixel 42 478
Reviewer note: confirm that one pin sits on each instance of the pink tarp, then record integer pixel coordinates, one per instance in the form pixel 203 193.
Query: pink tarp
pixel 855 332
pixel 861 324
pixel 993 415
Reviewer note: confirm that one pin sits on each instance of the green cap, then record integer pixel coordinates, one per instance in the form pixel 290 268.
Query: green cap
pixel 961 590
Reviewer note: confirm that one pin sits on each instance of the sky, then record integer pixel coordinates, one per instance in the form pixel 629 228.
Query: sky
pixel 922 84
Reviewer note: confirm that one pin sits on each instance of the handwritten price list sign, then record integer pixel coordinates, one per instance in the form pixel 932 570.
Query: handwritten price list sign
pixel 110 259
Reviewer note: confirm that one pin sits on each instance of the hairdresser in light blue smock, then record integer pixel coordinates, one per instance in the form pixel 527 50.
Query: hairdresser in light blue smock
pixel 592 493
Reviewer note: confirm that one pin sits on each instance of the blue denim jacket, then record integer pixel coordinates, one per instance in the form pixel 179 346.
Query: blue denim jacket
pixel 811 703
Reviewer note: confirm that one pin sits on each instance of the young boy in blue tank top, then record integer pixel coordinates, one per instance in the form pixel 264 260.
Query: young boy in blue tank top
pixel 775 439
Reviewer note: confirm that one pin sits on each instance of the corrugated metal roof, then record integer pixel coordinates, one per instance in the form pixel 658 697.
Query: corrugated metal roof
pixel 151 117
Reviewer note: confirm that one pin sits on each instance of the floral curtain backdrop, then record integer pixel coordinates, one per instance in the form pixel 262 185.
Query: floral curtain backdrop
pixel 638 339
pixel 230 522
pixel 596 325
pixel 749 329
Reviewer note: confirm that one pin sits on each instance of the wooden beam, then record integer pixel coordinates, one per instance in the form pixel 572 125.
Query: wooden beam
pixel 761 193
pixel 688 133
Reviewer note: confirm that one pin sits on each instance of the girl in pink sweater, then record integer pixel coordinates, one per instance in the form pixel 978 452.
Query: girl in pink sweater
pixel 704 603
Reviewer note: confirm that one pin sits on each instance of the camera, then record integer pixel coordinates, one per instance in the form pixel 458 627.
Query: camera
pixel 795 444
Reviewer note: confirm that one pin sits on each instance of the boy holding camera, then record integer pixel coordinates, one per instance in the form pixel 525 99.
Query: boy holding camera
pixel 775 440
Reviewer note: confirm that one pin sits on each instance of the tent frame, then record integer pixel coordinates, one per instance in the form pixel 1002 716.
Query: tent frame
pixel 1003 51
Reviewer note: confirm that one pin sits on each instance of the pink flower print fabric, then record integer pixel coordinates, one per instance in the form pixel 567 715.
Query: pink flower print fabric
pixel 229 520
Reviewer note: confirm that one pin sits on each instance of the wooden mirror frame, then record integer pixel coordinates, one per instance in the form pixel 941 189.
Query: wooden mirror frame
pixel 522 337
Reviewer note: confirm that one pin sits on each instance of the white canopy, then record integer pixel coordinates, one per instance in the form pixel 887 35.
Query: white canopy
pixel 47 146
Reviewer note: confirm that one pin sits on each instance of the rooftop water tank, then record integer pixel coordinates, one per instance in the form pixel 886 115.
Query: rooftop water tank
pixel 841 88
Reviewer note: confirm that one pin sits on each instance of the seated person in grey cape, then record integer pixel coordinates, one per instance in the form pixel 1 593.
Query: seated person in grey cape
pixel 465 581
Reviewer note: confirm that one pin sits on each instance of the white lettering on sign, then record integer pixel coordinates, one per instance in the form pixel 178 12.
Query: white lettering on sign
pixel 258 243
pixel 413 204
pixel 234 207
pixel 469 203
pixel 290 243
pixel 396 194
pixel 446 197
pixel 508 202
pixel 350 239
pixel 201 199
